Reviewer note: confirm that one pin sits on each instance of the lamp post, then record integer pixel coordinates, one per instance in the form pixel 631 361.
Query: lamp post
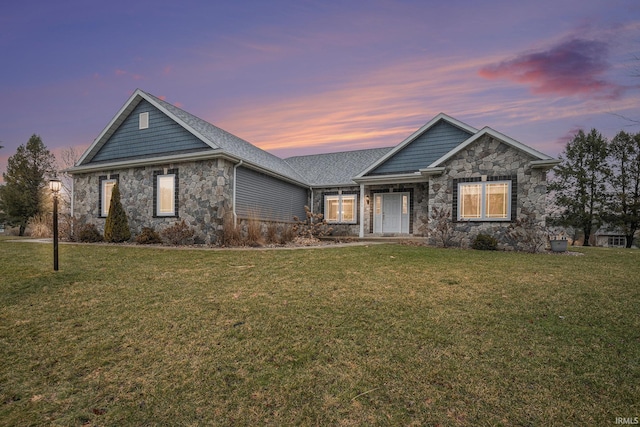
pixel 55 185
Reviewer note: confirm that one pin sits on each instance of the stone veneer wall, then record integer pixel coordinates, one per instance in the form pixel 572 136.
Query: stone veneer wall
pixel 204 197
pixel 491 157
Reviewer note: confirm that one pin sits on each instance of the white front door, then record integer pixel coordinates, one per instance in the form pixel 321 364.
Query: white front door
pixel 391 213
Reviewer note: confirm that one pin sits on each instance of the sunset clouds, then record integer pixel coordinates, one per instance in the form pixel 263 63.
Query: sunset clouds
pixel 573 67
pixel 304 76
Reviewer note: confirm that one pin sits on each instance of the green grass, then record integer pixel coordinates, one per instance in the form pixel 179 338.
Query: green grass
pixel 379 335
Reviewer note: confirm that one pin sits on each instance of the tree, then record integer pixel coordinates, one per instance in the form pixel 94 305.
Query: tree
pixel 624 203
pixel 21 198
pixel 579 185
pixel 116 227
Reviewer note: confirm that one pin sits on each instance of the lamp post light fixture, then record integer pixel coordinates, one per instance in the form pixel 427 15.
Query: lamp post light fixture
pixel 55 185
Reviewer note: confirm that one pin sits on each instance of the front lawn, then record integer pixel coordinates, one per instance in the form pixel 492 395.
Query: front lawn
pixel 378 335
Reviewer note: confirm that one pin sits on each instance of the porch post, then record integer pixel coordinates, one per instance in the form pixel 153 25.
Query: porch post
pixel 361 234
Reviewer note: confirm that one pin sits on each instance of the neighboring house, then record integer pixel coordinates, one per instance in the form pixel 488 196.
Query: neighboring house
pixel 611 238
pixel 171 165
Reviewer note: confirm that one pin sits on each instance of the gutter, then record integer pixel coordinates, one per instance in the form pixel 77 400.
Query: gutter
pixel 233 207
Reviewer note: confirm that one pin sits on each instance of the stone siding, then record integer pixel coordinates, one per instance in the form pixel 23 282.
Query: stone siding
pixel 492 158
pixel 204 197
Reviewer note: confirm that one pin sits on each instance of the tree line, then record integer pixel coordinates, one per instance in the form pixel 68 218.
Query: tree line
pixel 597 184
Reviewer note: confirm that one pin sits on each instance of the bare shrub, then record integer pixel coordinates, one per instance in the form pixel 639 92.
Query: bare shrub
pixel 525 234
pixel 148 236
pixel 178 234
pixel 231 235
pixel 254 231
pixel 272 233
pixel 67 227
pixel 312 227
pixel 441 226
pixel 40 226
pixel 287 234
pixel 88 233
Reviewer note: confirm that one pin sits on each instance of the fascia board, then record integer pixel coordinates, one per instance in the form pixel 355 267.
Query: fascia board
pixel 495 134
pixel 124 111
pixel 94 167
pixel 180 158
pixel 392 179
pixel 414 135
pixel 180 122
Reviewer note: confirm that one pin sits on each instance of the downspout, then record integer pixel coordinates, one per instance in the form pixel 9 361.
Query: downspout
pixel 72 181
pixel 361 234
pixel 311 200
pixel 233 207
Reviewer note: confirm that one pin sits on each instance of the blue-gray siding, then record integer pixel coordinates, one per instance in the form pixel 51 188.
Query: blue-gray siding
pixel 268 198
pixel 434 143
pixel 163 137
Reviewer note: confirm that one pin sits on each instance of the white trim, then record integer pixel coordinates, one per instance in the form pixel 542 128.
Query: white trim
pixel 488 131
pixel 544 164
pixel 104 209
pixel 393 179
pixel 143 120
pixel 361 231
pixel 416 134
pixel 483 198
pixel 124 112
pixel 173 212
pixel 340 198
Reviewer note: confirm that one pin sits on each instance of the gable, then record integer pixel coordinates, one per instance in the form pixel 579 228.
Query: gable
pixel 163 136
pixel 427 147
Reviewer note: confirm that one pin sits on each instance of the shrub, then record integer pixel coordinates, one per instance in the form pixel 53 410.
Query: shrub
pixel 116 227
pixel 288 234
pixel 484 242
pixel 179 234
pixel 312 227
pixel 88 233
pixel 441 229
pixel 40 226
pixel 254 231
pixel 272 233
pixel 231 235
pixel 148 236
pixel 524 234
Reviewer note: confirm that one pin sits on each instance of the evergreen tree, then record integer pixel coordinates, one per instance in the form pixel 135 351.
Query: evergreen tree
pixel 21 198
pixel 580 180
pixel 624 203
pixel 116 227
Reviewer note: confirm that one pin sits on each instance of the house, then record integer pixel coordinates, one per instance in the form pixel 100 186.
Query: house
pixel 171 165
pixel 608 237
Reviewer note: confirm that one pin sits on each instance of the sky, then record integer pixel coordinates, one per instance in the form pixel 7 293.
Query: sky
pixel 299 77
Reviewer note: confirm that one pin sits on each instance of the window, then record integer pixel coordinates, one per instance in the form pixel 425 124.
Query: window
pixel 143 121
pixel 484 201
pixel 165 193
pixel 106 189
pixel 617 241
pixel 341 208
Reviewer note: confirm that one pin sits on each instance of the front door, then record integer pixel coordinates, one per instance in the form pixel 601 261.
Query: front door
pixel 391 213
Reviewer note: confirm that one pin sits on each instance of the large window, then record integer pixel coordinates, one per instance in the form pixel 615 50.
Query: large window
pixel 106 189
pixel 165 193
pixel 484 201
pixel 341 208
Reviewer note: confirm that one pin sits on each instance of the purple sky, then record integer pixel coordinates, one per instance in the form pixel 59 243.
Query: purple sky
pixel 302 77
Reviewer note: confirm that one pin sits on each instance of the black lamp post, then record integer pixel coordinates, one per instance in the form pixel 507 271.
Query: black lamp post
pixel 55 185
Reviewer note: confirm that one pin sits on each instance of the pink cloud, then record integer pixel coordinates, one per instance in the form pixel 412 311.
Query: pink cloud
pixel 573 67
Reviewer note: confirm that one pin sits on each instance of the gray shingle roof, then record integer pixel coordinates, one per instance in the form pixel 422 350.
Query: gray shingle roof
pixel 335 169
pixel 231 144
